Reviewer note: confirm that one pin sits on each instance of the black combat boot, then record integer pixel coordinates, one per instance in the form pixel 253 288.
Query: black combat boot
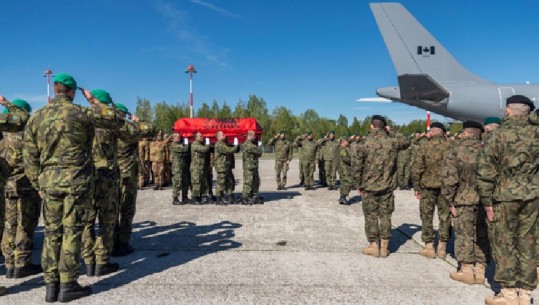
pixel 232 199
pixel 90 270
pixel 246 201
pixel 343 200
pixel 72 291
pixel 105 269
pixel 51 294
pixel 224 200
pixel 197 200
pixel 218 200
pixel 156 187
pixel 175 201
pixel 205 200
pixel 185 200
pixel 9 273
pixel 27 270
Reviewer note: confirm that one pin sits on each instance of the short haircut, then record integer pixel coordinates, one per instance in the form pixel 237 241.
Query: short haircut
pixel 519 109
pixel 378 124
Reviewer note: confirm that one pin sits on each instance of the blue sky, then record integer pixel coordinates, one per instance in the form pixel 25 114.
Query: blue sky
pixel 317 54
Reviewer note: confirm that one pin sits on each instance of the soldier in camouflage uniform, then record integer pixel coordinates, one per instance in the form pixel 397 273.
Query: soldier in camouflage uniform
pixel 328 147
pixel 224 163
pixel 427 180
pixel 96 250
pixel 309 148
pixel 403 168
pixel 57 157
pixel 144 161
pixel 158 157
pixel 507 179
pixel 251 179
pixel 376 167
pixel 459 187
pixel 23 206
pixel 199 170
pixel 13 121
pixel 321 167
pixel 167 172
pixel 345 170
pixel 180 156
pixel 283 156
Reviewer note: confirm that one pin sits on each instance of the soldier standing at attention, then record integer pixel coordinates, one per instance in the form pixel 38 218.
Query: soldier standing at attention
pixel 491 124
pixel 144 155
pixel 345 170
pixel 158 156
pixel 199 171
pixel 459 187
pixel 251 180
pixel 427 182
pixel 308 157
pixel 283 156
pixel 180 169
pixel 403 171
pixel 23 206
pixel 328 149
pixel 507 179
pixel 223 166
pixel 376 167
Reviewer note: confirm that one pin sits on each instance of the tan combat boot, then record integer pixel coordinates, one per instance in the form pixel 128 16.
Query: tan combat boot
pixel 479 273
pixel 508 296
pixel 524 296
pixel 371 249
pixel 465 274
pixel 384 251
pixel 428 251
pixel 442 252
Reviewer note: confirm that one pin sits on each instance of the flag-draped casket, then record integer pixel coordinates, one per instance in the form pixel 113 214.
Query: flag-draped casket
pixel 232 128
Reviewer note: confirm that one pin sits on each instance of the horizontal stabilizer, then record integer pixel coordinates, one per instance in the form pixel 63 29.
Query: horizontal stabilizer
pixel 414 87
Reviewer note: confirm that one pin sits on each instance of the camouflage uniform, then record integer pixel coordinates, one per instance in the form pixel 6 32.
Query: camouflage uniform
pixel 403 168
pixel 224 163
pixel 251 179
pixel 144 158
pixel 345 170
pixel 180 156
pixel 57 157
pixel 427 179
pixel 507 178
pixel 283 156
pixel 321 168
pixel 328 150
pixel 308 158
pixel 199 171
pixel 158 157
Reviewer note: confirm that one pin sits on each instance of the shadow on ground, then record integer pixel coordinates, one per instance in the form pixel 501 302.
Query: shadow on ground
pixel 278 195
pixel 401 235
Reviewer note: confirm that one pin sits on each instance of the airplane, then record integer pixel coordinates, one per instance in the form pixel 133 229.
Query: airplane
pixel 430 78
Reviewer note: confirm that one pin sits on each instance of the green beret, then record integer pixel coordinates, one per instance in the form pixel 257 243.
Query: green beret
pixel 121 107
pixel 282 131
pixel 492 120
pixel 66 80
pixel 310 132
pixel 21 104
pixel 332 132
pixel 102 96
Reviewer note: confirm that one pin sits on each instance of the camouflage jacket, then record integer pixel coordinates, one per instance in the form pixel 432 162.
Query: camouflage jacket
pixel 58 140
pixel 345 160
pixel 376 164
pixel 144 150
pixel 283 149
pixel 199 155
pixel 180 156
pixel 508 164
pixel 308 148
pixel 158 151
pixel 428 163
pixel 251 153
pixel 11 150
pixel 328 148
pixel 14 121
pixel 459 183
pixel 222 153
pixel 128 152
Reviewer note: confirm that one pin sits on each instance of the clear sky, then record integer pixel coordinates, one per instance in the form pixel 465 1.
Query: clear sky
pixel 321 54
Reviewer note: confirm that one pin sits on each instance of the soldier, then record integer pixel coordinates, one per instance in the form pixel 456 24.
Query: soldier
pixel 376 167
pixel 283 156
pixel 224 163
pixel 403 168
pixel 427 181
pixel 507 179
pixel 328 149
pixel 145 163
pixel 158 156
pixel 307 156
pixel 491 123
pixel 167 172
pixel 251 180
pixel 345 170
pixel 180 156
pixel 23 206
pixel 59 136
pixel 459 187
pixel 199 170
pixel 321 167
pixel 13 121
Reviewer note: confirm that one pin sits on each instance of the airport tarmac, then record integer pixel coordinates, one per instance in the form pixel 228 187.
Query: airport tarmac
pixel 300 247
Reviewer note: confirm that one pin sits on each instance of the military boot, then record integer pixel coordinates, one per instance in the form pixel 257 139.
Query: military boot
pixel 185 199
pixel 27 270
pixel 175 201
pixel 72 291
pixel 105 269
pixel 372 249
pixel 442 249
pixel 9 273
pixel 464 275
pixel 51 294
pixel 384 248
pixel 205 200
pixel 3 290
pixel 428 251
pixel 524 296
pixel 232 199
pixel 90 270
pixel 508 296
pixel 197 200
pixel 156 187
pixel 342 200
pixel 479 274
pixel 224 200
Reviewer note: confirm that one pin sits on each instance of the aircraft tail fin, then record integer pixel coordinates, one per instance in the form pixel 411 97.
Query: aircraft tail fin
pixel 414 50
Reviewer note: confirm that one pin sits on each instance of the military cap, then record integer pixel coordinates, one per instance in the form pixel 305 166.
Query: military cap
pixel 66 80
pixel 21 104
pixel 102 96
pixel 282 131
pixel 492 120
pixel 121 107
pixel 310 132
pixel 332 132
pixel 379 118
pixel 520 99
pixel 438 125
pixel 472 124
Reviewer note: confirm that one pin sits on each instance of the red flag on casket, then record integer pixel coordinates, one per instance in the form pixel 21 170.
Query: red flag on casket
pixel 232 128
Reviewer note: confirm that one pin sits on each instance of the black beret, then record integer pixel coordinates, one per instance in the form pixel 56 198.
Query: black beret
pixel 520 99
pixel 438 125
pixel 379 118
pixel 472 124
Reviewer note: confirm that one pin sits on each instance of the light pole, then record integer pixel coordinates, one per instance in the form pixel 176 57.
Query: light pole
pixel 48 74
pixel 191 69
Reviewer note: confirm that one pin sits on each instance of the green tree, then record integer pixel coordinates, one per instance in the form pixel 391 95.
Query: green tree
pixel 225 112
pixel 204 111
pixel 240 111
pixel 215 109
pixel 144 109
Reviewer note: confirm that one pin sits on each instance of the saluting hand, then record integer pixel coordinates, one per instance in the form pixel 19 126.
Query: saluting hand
pixel 134 118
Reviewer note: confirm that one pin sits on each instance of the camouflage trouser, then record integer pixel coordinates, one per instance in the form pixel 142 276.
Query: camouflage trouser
pixel 127 209
pixel 251 183
pixel 493 229
pixel 2 208
pixel 321 172
pixel 377 208
pixel 209 177
pixel 225 182
pixel 330 167
pixel 199 182
pixel 281 168
pixel 430 199
pixel 167 173
pixel 105 208
pixel 148 174
pixel 231 185
pixel 22 216
pixel 471 240
pixel 346 181
pixel 65 212
pixel 403 173
pixel 308 171
pixel 180 182
pixel 158 172
pixel 515 244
